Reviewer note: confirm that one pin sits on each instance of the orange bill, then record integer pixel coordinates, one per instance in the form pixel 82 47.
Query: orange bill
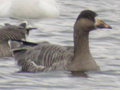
pixel 101 24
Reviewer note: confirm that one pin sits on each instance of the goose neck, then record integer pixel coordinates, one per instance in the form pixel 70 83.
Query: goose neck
pixel 81 42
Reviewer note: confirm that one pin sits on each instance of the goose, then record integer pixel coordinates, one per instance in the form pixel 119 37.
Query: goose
pixel 11 32
pixel 44 56
pixel 29 9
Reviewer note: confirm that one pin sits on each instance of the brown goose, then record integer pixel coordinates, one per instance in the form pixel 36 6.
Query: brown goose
pixel 42 57
pixel 11 32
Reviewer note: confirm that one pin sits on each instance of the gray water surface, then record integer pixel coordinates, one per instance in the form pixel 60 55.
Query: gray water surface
pixel 104 45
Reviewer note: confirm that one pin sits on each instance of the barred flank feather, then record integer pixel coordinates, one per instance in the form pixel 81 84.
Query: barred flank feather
pixel 30 66
pixel 42 57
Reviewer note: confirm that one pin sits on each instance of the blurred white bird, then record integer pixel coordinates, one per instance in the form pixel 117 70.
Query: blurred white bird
pixel 29 9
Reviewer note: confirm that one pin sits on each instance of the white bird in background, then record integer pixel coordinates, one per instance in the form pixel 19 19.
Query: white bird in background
pixel 29 9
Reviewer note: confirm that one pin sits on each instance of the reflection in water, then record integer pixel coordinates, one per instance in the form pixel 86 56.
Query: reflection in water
pixel 79 74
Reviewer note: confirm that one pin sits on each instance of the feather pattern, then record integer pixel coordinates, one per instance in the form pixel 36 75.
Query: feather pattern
pixel 44 56
pixel 11 32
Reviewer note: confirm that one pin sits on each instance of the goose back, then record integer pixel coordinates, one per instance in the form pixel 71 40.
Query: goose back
pixel 42 57
pixel 11 32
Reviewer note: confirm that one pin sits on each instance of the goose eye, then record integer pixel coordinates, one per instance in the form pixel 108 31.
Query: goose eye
pixel 90 18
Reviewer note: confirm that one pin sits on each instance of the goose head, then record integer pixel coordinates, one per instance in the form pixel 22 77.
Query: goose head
pixel 89 20
pixel 86 22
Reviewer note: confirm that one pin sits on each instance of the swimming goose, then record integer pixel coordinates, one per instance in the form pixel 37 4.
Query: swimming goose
pixel 11 32
pixel 42 57
pixel 29 9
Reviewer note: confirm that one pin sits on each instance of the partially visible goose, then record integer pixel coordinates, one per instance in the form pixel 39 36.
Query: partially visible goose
pixel 29 9
pixel 32 57
pixel 11 32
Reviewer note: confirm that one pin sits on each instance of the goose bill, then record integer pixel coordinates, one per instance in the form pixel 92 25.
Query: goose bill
pixel 101 24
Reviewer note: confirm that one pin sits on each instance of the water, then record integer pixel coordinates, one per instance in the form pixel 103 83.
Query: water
pixel 104 45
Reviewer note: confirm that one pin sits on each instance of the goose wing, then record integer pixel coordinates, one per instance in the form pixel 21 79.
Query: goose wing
pixel 70 48
pixel 41 57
